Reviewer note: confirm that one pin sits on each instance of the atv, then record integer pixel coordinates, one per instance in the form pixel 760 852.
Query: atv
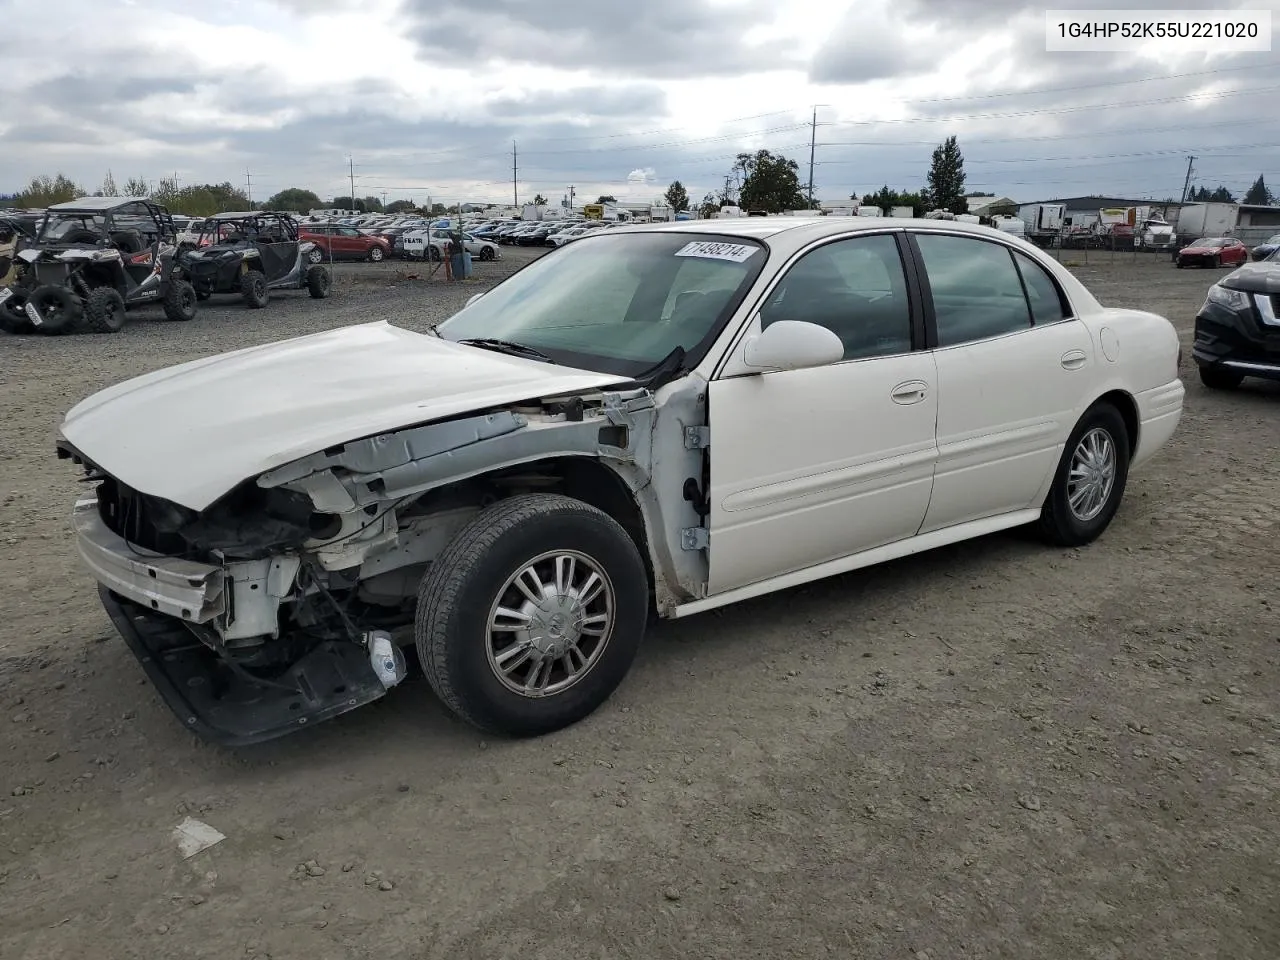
pixel 90 260
pixel 251 254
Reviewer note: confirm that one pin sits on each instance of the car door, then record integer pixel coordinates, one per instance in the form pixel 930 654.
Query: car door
pixel 1014 369
pixel 816 464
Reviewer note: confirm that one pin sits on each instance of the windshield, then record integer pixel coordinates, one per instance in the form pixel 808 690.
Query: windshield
pixel 1210 242
pixel 59 226
pixel 617 303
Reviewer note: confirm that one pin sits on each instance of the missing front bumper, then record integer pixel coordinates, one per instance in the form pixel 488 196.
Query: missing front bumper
pixel 217 704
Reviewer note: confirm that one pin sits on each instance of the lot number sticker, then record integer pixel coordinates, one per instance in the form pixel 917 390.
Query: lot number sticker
pixel 736 252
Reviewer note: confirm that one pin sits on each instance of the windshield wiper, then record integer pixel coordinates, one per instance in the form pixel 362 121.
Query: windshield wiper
pixel 508 347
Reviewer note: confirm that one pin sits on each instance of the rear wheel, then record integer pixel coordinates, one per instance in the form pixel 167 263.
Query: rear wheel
pixel 1090 481
pixel 253 288
pixel 1216 378
pixel 58 309
pixel 104 311
pixel 318 283
pixel 180 301
pixel 533 614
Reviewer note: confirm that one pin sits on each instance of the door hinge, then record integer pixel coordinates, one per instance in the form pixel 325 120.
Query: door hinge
pixel 695 538
pixel 697 438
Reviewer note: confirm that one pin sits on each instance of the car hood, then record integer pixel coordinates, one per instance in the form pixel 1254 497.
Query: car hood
pixel 190 433
pixel 1254 278
pixel 1200 250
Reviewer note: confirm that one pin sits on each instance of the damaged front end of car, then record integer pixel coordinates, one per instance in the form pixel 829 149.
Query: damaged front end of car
pixel 285 602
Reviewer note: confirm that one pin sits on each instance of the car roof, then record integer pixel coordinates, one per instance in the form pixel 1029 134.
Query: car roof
pixel 801 230
pixel 95 204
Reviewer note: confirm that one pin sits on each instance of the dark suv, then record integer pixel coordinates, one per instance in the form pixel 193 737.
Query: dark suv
pixel 1238 327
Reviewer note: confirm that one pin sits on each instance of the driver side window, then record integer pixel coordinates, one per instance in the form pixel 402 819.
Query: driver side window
pixel 856 288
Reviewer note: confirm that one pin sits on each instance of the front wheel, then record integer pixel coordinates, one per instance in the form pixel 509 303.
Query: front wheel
pixel 180 302
pixel 1090 480
pixel 533 614
pixel 1215 378
pixel 253 288
pixel 1217 263
pixel 318 283
pixel 376 255
pixel 315 255
pixel 104 311
pixel 486 253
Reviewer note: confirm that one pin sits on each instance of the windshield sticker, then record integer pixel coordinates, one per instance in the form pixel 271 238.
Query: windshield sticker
pixel 736 252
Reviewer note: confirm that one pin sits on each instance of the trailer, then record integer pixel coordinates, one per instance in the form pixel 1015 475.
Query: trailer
pixel 870 212
pixel 1197 220
pixel 1042 222
pixel 903 213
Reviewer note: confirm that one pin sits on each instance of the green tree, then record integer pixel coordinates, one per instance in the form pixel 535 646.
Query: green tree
pixel 1219 194
pixel 294 199
pixel 45 191
pixel 886 199
pixel 677 197
pixel 136 187
pixel 606 198
pixel 1259 194
pixel 709 206
pixel 401 206
pixel 946 178
pixel 769 182
pixel 438 208
pixel 539 201
pixel 108 188
pixel 349 203
pixel 372 205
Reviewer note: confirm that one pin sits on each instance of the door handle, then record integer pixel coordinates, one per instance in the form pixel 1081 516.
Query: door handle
pixel 1073 359
pixel 912 391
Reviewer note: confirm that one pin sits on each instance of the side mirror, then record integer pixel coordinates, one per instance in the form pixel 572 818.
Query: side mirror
pixel 473 298
pixel 793 345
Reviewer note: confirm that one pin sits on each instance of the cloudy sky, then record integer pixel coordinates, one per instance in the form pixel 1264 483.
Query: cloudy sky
pixel 425 97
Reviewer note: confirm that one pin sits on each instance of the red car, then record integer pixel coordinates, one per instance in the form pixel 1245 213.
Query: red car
pixel 1213 252
pixel 337 241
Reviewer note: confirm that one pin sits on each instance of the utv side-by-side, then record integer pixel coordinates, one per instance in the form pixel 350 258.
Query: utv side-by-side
pixel 251 254
pixel 90 260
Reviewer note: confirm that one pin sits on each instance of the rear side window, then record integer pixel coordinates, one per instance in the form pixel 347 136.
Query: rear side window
pixel 1047 302
pixel 977 292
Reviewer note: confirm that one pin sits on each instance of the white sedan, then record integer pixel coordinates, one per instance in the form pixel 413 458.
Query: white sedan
pixel 415 245
pixel 668 418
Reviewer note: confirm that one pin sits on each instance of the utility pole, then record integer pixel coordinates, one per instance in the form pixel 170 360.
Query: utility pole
pixel 515 188
pixel 571 196
pixel 1186 184
pixel 248 187
pixel 813 142
pixel 351 172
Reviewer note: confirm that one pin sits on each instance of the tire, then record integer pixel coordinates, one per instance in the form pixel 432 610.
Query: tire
pixel 376 255
pixel 318 283
pixel 12 317
pixel 435 255
pixel 1059 524
pixel 253 288
pixel 473 574
pixel 486 253
pixel 1215 378
pixel 180 301
pixel 59 309
pixel 104 311
pixel 1217 263
pixel 315 255
pixel 203 294
pixel 1179 264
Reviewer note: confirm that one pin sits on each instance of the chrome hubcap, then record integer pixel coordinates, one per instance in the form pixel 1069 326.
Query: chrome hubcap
pixel 550 623
pixel 1092 475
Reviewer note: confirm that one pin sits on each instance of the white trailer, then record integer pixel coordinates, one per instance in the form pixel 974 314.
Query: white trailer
pixel 1207 220
pixel 1042 221
pixel 903 213
pixel 870 212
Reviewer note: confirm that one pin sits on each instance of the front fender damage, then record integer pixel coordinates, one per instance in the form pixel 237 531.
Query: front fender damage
pixel 377 486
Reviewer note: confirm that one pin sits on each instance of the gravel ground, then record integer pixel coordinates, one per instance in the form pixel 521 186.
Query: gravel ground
pixel 992 750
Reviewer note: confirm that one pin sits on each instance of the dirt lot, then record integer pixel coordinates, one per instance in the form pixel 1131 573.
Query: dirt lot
pixel 993 750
